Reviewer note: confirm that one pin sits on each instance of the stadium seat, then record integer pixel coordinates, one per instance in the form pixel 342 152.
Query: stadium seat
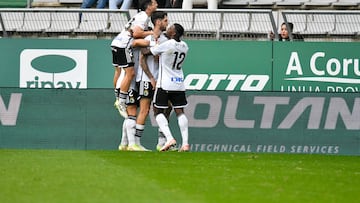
pixel 117 22
pixel 319 24
pixel 230 3
pixel 263 2
pixel 71 1
pixel 35 22
pixel 347 24
pixel 319 3
pixel 186 19
pixel 205 25
pixel 260 23
pixel 12 20
pixel 207 22
pixel 63 22
pixel 93 22
pixel 299 22
pixel 347 3
pixel 291 3
pixel 235 23
pixel 45 3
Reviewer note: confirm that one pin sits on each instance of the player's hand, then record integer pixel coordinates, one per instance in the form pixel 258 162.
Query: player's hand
pixel 153 83
pixel 271 35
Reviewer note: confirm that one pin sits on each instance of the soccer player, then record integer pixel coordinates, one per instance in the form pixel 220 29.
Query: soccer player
pixel 170 85
pixel 121 47
pixel 139 25
pixel 148 72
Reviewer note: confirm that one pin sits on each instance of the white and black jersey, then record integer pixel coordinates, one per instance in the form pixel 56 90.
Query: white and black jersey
pixel 142 20
pixel 153 64
pixel 122 40
pixel 121 50
pixel 172 55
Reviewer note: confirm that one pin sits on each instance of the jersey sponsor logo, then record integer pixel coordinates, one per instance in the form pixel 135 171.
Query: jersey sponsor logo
pixel 53 68
pixel 177 79
pixel 227 82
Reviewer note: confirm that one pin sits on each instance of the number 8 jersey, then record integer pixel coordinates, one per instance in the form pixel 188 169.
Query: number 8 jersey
pixel 172 55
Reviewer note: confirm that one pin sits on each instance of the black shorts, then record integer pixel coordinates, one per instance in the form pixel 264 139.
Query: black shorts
pixel 145 89
pixel 132 98
pixel 122 57
pixel 162 98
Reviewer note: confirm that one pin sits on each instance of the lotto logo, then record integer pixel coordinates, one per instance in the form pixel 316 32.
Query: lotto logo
pixel 53 68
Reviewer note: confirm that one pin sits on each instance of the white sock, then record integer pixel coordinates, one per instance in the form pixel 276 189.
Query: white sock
pixel 124 138
pixel 122 97
pixel 120 79
pixel 164 126
pixel 139 132
pixel 161 138
pixel 130 130
pixel 183 124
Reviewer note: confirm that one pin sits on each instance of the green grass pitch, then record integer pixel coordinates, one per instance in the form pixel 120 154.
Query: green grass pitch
pixel 112 176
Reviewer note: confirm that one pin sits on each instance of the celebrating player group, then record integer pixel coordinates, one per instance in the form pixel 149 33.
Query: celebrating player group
pixel 148 70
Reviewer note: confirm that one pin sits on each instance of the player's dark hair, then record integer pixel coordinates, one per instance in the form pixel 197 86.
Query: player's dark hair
pixel 158 15
pixel 143 4
pixel 179 31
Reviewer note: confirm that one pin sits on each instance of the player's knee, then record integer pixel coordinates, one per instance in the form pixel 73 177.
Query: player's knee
pixel 158 111
pixel 130 73
pixel 130 123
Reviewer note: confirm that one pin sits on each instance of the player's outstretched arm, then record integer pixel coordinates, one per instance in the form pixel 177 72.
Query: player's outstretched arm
pixel 139 33
pixel 142 43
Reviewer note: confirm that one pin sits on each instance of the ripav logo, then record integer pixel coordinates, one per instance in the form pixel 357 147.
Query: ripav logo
pixel 53 68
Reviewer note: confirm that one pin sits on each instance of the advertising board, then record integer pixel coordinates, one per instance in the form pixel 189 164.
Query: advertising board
pixel 316 67
pixel 219 121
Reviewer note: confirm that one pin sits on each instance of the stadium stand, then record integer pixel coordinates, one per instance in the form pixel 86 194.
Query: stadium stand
pixel 333 24
pixel 291 4
pixel 210 4
pixel 339 22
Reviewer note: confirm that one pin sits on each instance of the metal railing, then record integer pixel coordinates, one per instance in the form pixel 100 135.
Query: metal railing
pixel 198 23
pixel 224 24
pixel 221 24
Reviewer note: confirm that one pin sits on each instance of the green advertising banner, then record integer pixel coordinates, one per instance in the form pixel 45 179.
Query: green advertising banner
pixel 52 63
pixel 210 65
pixel 316 67
pixel 228 65
pixel 219 121
pixel 81 64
